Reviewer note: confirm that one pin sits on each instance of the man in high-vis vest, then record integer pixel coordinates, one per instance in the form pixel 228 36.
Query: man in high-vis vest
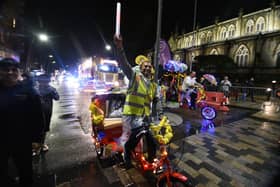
pixel 138 103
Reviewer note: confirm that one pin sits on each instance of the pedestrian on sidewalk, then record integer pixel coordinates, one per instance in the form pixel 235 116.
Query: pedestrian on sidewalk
pixel 47 93
pixel 236 89
pixel 22 120
pixel 251 84
pixel 225 86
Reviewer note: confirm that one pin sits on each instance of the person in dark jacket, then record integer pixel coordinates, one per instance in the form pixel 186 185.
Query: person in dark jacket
pixel 251 85
pixel 21 118
pixel 48 94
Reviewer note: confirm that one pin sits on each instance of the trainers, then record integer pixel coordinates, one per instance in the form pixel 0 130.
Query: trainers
pixel 36 149
pixel 36 152
pixel 45 148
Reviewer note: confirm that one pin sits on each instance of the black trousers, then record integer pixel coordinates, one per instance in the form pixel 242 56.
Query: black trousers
pixel 21 155
pixel 193 97
pixel 133 140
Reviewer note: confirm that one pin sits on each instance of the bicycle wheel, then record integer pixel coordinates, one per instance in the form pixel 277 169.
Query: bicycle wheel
pixel 208 113
pixel 175 182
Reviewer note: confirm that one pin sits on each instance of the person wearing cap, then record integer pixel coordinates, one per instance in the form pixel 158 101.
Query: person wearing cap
pixel 47 93
pixel 22 118
pixel 97 116
pixel 141 94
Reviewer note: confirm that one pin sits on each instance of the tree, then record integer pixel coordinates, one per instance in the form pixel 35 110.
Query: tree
pixel 219 64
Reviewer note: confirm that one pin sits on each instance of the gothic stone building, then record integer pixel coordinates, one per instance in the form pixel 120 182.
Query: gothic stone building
pixel 252 41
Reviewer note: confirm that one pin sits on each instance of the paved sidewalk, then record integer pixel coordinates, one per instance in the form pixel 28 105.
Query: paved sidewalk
pixel 242 153
pixel 265 110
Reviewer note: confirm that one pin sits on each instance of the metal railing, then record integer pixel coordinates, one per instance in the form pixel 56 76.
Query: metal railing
pixel 244 92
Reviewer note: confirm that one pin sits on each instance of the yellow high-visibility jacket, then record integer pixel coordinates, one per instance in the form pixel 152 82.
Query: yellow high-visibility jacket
pixel 140 94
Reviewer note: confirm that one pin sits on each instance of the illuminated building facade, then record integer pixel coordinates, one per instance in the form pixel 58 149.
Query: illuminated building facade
pixel 252 41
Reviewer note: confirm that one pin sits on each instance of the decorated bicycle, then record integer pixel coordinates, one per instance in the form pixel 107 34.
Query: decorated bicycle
pixel 105 140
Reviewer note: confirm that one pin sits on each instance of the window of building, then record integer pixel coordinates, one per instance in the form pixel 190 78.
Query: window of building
pixel 223 33
pixel 193 42
pixel 185 42
pixel 179 44
pixel 242 56
pixel 231 31
pixel 260 24
pixel 249 26
pixel 202 38
pixel 192 57
pixel 278 59
pixel 214 52
pixel 209 37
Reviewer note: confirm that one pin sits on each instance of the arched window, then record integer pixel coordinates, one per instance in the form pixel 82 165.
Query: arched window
pixel 260 25
pixel 193 41
pixel 202 38
pixel 192 57
pixel 187 42
pixel 214 52
pixel 179 44
pixel 190 41
pixel 278 59
pixel 223 33
pixel 242 56
pixel 209 36
pixel 250 26
pixel 231 31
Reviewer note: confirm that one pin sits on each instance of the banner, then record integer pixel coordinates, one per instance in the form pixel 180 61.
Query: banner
pixel 165 54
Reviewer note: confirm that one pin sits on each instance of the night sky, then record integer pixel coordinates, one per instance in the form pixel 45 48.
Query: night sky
pixel 83 27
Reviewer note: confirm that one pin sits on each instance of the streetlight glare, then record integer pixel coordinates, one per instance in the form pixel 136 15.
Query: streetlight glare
pixel 43 37
pixel 108 47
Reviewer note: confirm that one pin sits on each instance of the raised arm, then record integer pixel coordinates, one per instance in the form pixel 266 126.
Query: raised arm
pixel 123 62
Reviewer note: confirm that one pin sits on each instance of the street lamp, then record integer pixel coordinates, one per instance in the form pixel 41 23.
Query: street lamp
pixel 194 25
pixel 42 38
pixel 273 87
pixel 108 47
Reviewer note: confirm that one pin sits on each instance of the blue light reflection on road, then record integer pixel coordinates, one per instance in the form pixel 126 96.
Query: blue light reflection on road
pixel 207 126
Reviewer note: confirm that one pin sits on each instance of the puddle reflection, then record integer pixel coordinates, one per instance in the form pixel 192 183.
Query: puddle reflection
pixel 207 126
pixel 204 126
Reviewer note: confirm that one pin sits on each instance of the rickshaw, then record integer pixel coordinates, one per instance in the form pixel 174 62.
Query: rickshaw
pixel 108 149
pixel 209 101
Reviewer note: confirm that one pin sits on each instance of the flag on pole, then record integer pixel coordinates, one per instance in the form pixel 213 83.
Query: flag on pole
pixel 165 54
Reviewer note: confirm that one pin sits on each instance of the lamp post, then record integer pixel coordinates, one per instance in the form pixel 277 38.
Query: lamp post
pixel 108 47
pixel 157 44
pixel 273 87
pixel 42 38
pixel 194 25
pixel 50 61
pixel 156 53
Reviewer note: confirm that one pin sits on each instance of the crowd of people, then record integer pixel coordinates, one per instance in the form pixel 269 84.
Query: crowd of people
pixel 184 88
pixel 28 109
